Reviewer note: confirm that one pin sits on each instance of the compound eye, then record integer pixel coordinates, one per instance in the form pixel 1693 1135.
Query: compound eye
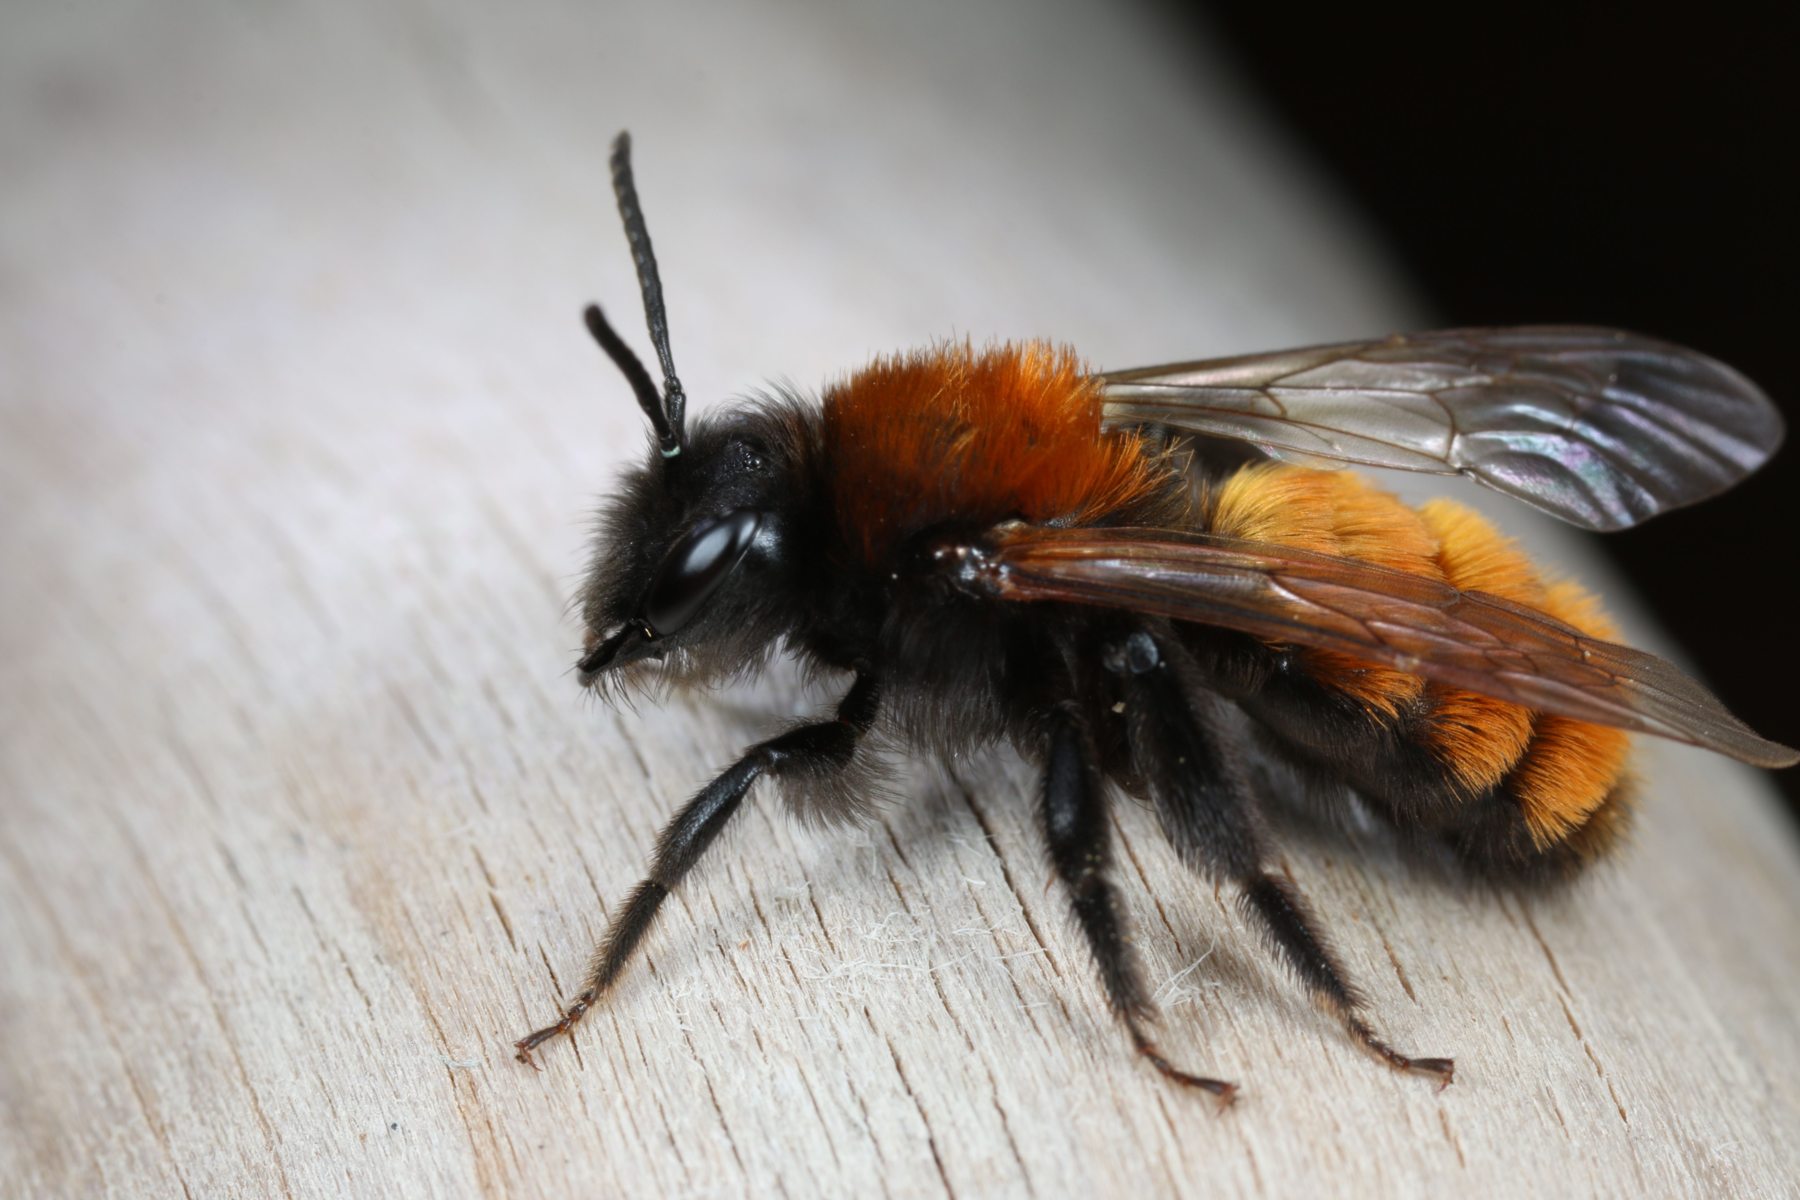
pixel 695 567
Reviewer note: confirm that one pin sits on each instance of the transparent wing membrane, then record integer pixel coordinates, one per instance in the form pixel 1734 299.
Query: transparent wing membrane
pixel 1602 428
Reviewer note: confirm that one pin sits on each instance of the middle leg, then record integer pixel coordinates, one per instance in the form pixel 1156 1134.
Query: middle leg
pixel 1074 817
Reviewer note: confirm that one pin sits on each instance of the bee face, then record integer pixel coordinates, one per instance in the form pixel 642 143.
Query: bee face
pixel 695 562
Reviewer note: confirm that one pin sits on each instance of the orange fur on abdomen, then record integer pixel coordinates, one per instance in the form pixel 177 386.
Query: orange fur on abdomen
pixel 1564 773
pixel 950 434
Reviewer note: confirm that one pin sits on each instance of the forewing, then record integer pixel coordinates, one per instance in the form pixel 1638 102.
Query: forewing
pixel 1468 639
pixel 1602 428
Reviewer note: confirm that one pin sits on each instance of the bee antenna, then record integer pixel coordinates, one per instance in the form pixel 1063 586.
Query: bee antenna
pixel 634 372
pixel 670 429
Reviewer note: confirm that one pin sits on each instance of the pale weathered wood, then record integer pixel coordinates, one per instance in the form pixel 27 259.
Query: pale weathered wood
pixel 305 818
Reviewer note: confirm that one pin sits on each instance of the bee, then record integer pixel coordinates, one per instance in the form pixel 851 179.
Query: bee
pixel 1143 582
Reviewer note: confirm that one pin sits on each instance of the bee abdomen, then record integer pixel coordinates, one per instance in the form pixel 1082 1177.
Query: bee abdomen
pixel 1565 772
pixel 1543 785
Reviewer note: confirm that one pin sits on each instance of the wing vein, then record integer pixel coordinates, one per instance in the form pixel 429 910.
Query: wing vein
pixel 1470 640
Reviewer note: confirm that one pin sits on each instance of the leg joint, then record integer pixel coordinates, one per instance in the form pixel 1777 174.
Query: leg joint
pixel 830 743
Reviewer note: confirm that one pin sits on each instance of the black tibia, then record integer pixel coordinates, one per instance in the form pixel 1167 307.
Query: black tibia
pixel 1293 932
pixel 825 746
pixel 1073 812
pixel 1187 754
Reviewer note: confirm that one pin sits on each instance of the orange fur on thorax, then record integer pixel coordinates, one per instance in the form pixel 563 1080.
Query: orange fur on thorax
pixel 1561 770
pixel 952 434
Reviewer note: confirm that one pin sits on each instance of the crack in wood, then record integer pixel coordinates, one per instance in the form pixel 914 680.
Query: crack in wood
pixel 919 1107
pixel 1006 874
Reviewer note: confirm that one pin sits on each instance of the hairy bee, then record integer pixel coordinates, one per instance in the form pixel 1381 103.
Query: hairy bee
pixel 1135 579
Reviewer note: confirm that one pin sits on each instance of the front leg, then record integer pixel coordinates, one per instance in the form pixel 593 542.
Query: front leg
pixel 812 749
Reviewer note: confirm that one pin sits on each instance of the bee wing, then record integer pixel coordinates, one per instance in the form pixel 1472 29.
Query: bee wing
pixel 1471 640
pixel 1602 428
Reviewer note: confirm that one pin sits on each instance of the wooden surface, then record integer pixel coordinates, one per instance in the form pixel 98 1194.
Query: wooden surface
pixel 305 818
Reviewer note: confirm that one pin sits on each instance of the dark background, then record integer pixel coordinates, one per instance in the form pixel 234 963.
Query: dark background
pixel 1592 166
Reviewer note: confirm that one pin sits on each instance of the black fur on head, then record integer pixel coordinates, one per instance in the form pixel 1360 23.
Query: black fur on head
pixel 760 457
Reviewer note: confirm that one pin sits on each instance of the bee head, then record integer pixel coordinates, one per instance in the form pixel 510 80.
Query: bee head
pixel 693 553
pixel 693 569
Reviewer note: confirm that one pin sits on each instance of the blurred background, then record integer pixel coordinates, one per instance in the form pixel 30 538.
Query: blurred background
pixel 1592 164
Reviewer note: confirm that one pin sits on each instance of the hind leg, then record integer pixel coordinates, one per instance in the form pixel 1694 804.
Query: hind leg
pixel 1209 812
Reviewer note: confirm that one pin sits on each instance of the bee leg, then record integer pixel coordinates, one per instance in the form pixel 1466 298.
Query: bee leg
pixel 1074 816
pixel 1208 809
pixel 817 748
pixel 1294 934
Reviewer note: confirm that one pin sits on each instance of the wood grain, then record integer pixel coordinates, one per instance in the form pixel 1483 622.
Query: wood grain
pixel 305 818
